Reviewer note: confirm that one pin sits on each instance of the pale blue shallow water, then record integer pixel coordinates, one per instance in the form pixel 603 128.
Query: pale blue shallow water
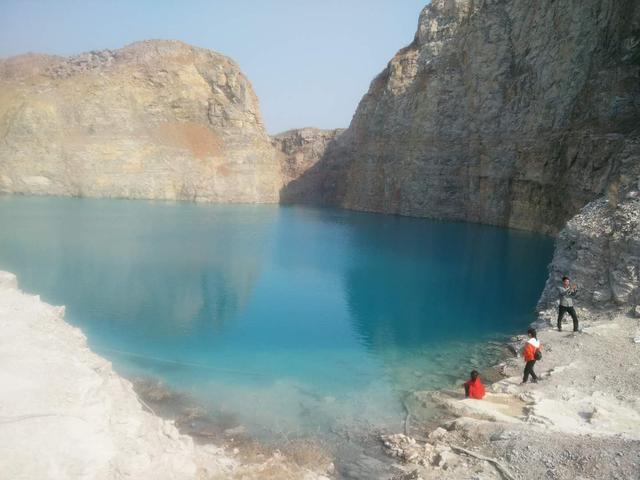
pixel 287 317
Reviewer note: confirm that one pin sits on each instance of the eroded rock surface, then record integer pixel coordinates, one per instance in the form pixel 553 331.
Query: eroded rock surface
pixel 512 113
pixel 155 119
pixel 600 250
pixel 302 150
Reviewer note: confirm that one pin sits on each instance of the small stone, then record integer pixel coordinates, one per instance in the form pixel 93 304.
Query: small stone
pixel 8 281
pixel 413 475
pixel 411 457
pixel 170 431
pixel 438 434
pixel 601 296
pixel 229 432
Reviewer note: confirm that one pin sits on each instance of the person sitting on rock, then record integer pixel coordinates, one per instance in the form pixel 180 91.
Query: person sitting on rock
pixel 531 353
pixel 473 388
pixel 567 292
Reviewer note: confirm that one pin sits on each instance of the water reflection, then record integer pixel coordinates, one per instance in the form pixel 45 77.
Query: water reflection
pixel 410 282
pixel 136 269
pixel 439 282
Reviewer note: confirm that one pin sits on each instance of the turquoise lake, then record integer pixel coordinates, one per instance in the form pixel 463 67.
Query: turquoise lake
pixel 289 318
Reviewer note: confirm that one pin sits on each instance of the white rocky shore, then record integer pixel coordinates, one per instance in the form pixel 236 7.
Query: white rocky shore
pixel 65 413
pixel 582 419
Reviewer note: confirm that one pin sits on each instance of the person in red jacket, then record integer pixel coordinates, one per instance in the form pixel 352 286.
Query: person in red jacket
pixel 531 353
pixel 473 388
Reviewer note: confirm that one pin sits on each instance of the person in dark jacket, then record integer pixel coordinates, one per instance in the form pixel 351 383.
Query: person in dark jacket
pixel 566 294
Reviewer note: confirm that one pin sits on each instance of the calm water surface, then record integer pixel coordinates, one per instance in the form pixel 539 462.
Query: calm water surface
pixel 289 318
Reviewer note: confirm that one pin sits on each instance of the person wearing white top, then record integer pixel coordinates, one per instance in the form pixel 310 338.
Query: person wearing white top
pixel 566 294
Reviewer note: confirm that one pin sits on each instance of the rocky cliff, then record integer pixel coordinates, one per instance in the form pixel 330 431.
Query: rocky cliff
pixel 600 249
pixel 513 113
pixel 302 151
pixel 155 119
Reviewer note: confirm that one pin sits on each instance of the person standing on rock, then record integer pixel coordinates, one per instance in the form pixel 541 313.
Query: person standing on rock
pixel 531 353
pixel 566 293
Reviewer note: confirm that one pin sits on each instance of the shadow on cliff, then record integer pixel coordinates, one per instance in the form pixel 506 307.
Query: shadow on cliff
pixel 324 182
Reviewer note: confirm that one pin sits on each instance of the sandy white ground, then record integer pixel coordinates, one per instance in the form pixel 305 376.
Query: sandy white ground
pixel 65 414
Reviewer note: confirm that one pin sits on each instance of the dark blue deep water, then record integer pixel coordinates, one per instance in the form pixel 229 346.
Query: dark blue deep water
pixel 287 317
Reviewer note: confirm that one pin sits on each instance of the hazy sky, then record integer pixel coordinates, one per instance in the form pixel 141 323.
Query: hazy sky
pixel 310 61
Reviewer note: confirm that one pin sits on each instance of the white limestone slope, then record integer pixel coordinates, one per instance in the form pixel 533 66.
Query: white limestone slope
pixel 64 412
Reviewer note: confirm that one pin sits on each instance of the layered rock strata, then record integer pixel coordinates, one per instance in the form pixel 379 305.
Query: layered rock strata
pixel 155 119
pixel 302 150
pixel 513 113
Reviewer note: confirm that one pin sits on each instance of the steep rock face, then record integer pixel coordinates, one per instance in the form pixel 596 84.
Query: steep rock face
pixel 600 250
pixel 301 150
pixel 155 119
pixel 513 113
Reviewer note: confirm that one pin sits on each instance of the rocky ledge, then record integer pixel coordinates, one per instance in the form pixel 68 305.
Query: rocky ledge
pixel 600 249
pixel 582 418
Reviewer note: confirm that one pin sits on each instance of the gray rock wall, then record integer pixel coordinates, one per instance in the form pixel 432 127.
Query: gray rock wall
pixel 302 150
pixel 514 113
pixel 599 249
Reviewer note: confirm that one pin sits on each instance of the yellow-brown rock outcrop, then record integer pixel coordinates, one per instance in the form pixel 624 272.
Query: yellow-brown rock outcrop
pixel 155 119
